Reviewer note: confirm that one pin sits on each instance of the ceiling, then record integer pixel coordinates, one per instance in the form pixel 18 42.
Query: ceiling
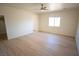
pixel 35 7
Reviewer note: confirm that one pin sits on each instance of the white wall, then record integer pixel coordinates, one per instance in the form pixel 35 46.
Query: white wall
pixel 77 38
pixel 77 34
pixel 67 23
pixel 18 22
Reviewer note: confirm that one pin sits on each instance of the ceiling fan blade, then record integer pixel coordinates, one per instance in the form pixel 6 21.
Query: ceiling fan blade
pixel 41 6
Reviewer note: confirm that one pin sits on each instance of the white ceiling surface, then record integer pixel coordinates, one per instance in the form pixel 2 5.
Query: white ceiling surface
pixel 35 7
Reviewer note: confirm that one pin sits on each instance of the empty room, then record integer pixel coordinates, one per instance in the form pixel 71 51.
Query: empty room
pixel 39 29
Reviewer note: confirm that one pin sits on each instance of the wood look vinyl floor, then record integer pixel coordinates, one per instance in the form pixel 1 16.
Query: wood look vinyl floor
pixel 39 44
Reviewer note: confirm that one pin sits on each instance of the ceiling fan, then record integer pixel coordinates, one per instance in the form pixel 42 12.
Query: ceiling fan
pixel 43 7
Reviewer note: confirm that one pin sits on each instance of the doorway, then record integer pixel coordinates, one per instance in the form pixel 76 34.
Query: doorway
pixel 3 33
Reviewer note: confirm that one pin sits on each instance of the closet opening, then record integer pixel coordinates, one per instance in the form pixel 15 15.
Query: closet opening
pixel 3 33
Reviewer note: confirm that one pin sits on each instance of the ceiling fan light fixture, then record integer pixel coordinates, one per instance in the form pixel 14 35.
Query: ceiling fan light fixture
pixel 42 10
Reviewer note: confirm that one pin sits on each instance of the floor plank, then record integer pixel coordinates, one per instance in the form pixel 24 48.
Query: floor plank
pixel 39 44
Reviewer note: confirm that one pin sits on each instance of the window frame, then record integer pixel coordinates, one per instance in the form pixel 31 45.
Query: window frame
pixel 54 21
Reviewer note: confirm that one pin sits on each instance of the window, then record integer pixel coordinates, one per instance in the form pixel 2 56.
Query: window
pixel 54 21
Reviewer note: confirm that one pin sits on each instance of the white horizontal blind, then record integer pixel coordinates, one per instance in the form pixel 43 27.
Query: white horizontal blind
pixel 54 21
